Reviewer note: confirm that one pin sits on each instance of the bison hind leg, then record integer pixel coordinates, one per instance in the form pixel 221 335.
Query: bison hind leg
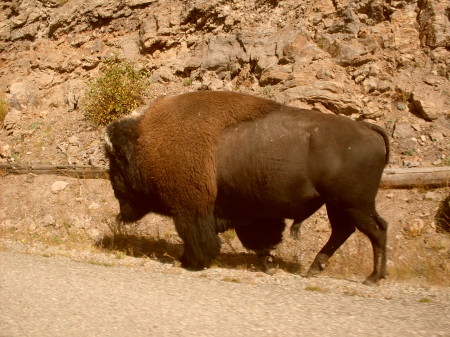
pixel 261 235
pixel 343 221
pixel 376 230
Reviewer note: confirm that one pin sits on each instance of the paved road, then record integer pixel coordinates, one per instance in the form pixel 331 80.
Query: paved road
pixel 55 296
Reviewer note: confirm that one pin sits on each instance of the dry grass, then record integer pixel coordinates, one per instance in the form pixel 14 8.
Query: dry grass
pixel 3 108
pixel 421 259
pixel 316 288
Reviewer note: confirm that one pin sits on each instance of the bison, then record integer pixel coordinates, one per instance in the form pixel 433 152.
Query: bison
pixel 220 160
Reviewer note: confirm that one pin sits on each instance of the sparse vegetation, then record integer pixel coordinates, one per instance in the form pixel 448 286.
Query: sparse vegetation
pixel 408 153
pixel 99 263
pixel 231 279
pixel 267 90
pixel 402 96
pixel 3 108
pixel 425 300
pixel 35 125
pixel 443 216
pixel 119 255
pixel 424 268
pixel 119 89
pixel 441 71
pixel 315 288
pixel 187 82
pixel 230 234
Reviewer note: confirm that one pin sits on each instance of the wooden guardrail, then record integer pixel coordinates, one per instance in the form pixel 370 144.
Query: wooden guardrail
pixel 392 177
pixel 81 172
pixel 416 177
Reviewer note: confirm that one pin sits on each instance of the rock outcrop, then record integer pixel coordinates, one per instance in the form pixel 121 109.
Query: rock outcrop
pixel 388 61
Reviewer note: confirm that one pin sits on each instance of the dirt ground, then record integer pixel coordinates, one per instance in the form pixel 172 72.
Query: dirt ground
pixel 52 215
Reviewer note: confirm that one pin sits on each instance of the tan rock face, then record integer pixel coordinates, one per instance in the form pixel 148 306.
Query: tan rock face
pixel 379 60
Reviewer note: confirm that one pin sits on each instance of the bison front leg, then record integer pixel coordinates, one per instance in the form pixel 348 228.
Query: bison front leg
pixel 201 243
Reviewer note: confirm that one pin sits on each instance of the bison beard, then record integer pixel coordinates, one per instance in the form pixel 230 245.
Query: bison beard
pixel 219 160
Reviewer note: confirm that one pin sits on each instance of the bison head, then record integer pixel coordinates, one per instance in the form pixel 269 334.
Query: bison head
pixel 125 176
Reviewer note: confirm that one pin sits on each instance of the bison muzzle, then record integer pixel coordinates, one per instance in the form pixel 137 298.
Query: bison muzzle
pixel 219 160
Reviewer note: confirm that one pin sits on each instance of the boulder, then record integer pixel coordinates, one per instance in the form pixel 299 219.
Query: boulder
pixel 73 91
pixel 260 46
pixel 22 95
pixel 275 75
pixel 148 34
pixel 5 151
pixel 405 135
pixel 12 119
pixel 424 105
pixel 349 54
pixel 162 75
pixel 222 54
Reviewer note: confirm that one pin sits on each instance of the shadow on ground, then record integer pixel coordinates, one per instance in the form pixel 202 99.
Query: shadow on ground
pixel 166 252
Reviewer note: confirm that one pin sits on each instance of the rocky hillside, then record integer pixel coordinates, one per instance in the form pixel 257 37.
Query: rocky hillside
pixel 383 61
pixel 387 61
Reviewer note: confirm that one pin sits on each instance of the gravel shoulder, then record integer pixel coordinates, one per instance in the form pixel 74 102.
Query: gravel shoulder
pixel 58 296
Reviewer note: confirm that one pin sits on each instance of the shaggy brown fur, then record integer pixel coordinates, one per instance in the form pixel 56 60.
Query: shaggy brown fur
pixel 179 134
pixel 193 122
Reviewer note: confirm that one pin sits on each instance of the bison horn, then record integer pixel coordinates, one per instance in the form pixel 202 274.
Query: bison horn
pixel 108 143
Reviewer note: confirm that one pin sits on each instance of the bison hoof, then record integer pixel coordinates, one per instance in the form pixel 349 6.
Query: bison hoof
pixel 295 234
pixel 371 281
pixel 271 271
pixel 315 270
pixel 191 265
pixel 312 272
pixel 268 264
pixel 368 282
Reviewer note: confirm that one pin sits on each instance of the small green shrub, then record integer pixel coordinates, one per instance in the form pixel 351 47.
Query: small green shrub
pixel 442 71
pixel 267 90
pixel 118 90
pixel 187 82
pixel 3 109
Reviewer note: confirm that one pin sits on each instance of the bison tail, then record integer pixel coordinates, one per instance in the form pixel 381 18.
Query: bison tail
pixel 382 132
